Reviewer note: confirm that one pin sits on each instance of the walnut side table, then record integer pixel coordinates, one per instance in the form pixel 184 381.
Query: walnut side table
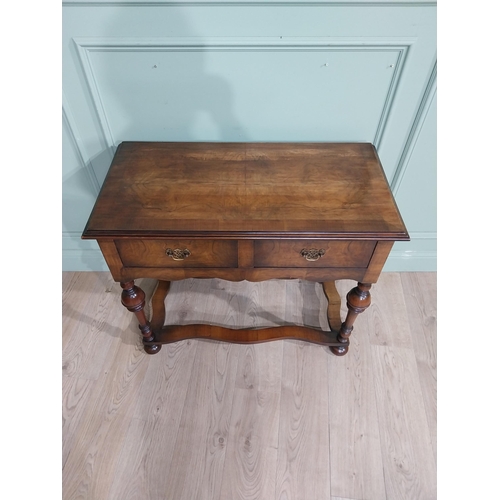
pixel 245 211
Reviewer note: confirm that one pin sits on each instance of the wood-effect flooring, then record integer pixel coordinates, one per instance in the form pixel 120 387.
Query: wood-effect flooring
pixel 282 420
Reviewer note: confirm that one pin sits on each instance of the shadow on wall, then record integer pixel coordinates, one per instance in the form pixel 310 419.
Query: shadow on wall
pixel 148 93
pixel 155 93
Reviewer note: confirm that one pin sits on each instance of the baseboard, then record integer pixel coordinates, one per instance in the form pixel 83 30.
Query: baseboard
pixel 81 255
pixel 419 254
pixel 401 261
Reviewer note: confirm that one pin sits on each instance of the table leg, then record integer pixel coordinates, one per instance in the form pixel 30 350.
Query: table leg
pixel 358 299
pixel 134 299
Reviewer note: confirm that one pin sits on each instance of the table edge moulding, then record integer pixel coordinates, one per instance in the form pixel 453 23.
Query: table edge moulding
pixel 245 211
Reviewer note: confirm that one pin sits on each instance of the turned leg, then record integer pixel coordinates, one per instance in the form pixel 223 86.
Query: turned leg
pixel 358 299
pixel 134 299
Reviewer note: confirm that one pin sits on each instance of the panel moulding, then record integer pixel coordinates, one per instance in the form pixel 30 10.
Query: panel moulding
pixel 85 46
pixel 418 122
pixel 251 3
pixel 81 152
pixel 93 88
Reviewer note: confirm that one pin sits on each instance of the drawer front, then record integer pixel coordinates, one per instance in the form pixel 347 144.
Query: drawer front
pixel 178 253
pixel 312 253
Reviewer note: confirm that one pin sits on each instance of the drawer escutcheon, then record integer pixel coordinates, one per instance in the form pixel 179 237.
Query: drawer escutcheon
pixel 312 254
pixel 178 254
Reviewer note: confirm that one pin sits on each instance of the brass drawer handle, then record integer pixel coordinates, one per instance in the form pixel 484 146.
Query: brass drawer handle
pixel 312 254
pixel 178 254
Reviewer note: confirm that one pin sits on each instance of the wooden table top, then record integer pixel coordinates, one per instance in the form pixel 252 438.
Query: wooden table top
pixel 243 190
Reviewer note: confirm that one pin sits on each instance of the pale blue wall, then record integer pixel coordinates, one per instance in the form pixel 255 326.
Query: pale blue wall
pixel 251 71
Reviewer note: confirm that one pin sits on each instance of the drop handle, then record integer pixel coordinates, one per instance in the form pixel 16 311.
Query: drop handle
pixel 313 254
pixel 178 254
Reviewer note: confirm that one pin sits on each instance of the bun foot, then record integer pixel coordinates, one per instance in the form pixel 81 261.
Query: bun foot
pixel 152 349
pixel 339 350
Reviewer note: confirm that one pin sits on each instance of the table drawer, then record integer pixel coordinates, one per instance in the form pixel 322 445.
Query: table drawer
pixel 178 253
pixel 312 253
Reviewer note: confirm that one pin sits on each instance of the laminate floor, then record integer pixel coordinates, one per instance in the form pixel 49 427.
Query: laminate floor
pixel 283 420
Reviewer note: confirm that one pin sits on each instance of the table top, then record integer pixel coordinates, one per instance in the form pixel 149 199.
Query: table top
pixel 234 190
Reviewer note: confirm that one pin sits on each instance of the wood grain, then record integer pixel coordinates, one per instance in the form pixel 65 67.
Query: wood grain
pixel 389 324
pixel 250 274
pixel 295 422
pixel 75 396
pixel 202 437
pixel 377 261
pixel 154 427
pixel 334 305
pixel 156 314
pixel 287 253
pixel 168 189
pixel 203 253
pixel 303 469
pixel 409 465
pixel 245 253
pixel 421 300
pixel 89 333
pixel 260 367
pixel 357 469
pixel 76 286
pixel 342 498
pixel 89 469
pixel 251 456
pixel 178 333
pixel 113 260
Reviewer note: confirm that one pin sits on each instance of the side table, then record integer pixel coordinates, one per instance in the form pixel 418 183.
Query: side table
pixel 245 211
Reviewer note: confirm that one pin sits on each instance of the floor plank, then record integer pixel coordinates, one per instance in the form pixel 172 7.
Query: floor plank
pixel 251 456
pixel 91 463
pixel 408 459
pixel 281 420
pixel 421 300
pixel 76 393
pixel 388 313
pixel 202 438
pixel 303 448
pixel 156 420
pixel 355 449
pixel 91 331
pixel 342 498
